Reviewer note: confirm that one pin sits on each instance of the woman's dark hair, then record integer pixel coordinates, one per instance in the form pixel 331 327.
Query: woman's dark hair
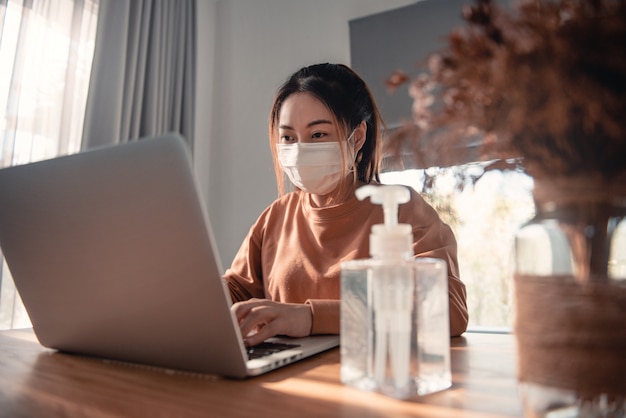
pixel 350 101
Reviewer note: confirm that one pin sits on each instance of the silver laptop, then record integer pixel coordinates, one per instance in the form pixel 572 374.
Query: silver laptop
pixel 113 255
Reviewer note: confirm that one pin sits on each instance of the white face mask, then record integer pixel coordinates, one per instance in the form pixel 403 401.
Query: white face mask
pixel 315 167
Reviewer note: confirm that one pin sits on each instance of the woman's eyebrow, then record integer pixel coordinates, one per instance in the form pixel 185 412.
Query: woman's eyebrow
pixel 310 124
pixel 319 122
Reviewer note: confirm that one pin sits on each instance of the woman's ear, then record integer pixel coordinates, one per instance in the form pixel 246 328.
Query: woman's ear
pixel 360 133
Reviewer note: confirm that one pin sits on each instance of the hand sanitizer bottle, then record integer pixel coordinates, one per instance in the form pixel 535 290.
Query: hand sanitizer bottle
pixel 394 310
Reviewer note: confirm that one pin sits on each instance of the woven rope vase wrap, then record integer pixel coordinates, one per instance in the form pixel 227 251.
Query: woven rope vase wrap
pixel 571 335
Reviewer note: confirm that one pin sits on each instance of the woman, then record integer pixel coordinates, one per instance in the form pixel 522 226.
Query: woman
pixel 325 135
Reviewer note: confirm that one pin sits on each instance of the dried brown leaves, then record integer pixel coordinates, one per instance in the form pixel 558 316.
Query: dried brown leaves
pixel 545 81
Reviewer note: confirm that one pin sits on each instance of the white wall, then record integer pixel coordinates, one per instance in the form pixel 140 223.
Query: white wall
pixel 259 43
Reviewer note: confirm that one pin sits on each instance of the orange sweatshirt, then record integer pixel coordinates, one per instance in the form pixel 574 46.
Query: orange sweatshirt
pixel 293 254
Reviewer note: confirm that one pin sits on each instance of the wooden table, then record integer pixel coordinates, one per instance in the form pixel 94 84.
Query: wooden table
pixel 37 382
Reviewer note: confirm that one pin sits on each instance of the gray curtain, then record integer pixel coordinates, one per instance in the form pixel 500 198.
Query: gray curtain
pixel 143 74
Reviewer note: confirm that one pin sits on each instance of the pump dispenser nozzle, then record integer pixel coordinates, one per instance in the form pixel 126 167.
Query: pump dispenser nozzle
pixel 389 240
pixel 388 196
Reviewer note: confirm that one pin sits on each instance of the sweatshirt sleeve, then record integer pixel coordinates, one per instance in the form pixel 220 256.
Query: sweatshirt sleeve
pixel 325 316
pixel 434 238
pixel 244 277
pixel 459 317
pixel 442 245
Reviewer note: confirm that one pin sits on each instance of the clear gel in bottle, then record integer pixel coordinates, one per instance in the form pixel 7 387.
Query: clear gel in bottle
pixel 394 310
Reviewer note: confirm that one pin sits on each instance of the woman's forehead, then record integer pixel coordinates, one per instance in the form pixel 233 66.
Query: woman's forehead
pixel 300 109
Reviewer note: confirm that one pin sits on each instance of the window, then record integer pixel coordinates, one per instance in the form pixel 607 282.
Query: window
pixel 484 218
pixel 46 49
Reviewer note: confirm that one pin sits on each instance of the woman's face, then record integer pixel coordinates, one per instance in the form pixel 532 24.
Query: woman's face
pixel 304 118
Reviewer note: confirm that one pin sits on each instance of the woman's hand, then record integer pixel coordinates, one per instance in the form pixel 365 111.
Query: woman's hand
pixel 260 319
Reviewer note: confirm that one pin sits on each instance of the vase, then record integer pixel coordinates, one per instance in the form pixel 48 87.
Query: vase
pixel 570 300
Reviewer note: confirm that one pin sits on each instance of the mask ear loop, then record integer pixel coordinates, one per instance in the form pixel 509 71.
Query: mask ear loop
pixel 351 153
pixel 359 152
pixel 357 156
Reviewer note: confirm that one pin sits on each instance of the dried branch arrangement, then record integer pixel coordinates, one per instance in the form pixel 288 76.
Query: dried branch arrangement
pixel 544 81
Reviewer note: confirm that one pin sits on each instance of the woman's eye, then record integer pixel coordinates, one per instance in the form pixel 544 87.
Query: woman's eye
pixel 286 138
pixel 318 135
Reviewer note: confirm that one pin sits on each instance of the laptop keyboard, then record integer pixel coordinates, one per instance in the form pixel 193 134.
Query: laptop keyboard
pixel 267 348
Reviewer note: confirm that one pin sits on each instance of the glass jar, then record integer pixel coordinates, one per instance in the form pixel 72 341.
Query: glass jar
pixel 570 300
